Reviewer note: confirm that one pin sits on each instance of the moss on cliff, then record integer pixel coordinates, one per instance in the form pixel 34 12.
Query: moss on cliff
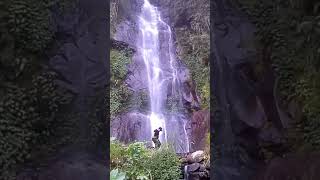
pixel 193 43
pixel 119 94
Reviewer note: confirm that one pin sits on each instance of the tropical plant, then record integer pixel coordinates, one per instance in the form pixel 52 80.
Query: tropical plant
pixel 136 165
pixel 118 154
pixel 164 164
pixel 141 163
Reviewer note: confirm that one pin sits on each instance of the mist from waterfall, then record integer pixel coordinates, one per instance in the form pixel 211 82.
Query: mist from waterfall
pixel 155 44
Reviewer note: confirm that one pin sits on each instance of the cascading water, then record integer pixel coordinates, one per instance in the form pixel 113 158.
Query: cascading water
pixel 155 45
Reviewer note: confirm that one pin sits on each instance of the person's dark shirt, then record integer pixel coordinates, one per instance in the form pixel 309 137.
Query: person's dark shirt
pixel 156 133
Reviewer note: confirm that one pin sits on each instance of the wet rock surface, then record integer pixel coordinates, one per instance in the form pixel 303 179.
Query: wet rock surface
pixel 199 128
pixel 130 127
pixel 194 166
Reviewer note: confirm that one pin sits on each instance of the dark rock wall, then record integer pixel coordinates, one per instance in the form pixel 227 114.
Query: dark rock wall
pixel 79 55
pixel 248 115
pixel 243 107
pixel 200 126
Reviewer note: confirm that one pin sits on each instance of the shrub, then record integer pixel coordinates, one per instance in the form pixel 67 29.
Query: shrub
pixel 117 154
pixel 119 99
pixel 164 164
pixel 119 61
pixel 138 162
pixel 136 165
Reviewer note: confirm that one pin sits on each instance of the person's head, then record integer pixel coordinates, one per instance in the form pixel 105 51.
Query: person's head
pixel 160 128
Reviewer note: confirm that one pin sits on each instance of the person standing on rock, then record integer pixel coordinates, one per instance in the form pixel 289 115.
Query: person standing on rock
pixel 155 137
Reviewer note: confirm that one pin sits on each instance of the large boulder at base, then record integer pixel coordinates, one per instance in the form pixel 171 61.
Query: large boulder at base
pixel 193 167
pixel 196 157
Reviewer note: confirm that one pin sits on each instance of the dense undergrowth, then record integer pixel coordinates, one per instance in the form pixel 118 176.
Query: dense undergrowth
pixel 290 31
pixel 119 95
pixel 135 161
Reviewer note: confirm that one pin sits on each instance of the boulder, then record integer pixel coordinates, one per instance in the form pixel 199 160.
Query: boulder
pixel 199 176
pixel 193 167
pixel 196 157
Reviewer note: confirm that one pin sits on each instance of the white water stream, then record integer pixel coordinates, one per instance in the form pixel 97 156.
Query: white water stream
pixel 156 47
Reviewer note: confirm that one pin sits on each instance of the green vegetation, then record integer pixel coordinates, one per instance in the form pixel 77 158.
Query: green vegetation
pixel 119 94
pixel 138 162
pixel 194 48
pixel 164 164
pixel 200 73
pixel 289 34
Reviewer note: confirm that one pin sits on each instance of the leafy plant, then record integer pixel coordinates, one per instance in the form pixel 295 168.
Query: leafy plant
pixel 164 164
pixel 119 61
pixel 118 154
pixel 119 99
pixel 137 161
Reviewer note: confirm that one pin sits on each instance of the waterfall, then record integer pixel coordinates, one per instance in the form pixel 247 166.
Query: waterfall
pixel 155 44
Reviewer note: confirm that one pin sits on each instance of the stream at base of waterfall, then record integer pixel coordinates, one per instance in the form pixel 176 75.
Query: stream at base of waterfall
pixel 155 45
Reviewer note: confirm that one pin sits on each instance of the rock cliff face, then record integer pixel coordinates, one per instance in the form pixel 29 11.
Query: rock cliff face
pixel 249 115
pixel 126 30
pixel 80 53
